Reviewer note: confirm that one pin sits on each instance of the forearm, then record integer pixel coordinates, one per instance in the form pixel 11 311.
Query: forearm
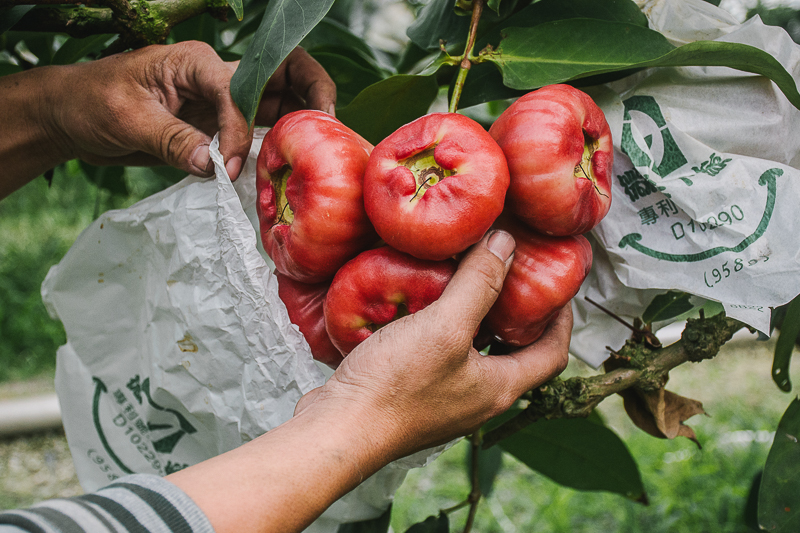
pixel 28 143
pixel 283 480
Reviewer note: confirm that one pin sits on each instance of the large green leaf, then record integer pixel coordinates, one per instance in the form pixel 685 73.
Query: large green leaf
pixel 489 464
pixel 11 15
pixel 559 51
pixel 376 525
pixel 111 179
pixel 202 28
pixel 74 49
pixel 331 33
pixel 350 77
pixel 9 68
pixel 553 10
pixel 666 306
pixel 41 45
pixel 779 495
pixel 284 25
pixel 578 453
pixel 383 107
pixel 437 20
pixel 790 329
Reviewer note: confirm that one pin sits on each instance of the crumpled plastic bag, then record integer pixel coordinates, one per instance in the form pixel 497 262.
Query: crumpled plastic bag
pixel 179 348
pixel 705 183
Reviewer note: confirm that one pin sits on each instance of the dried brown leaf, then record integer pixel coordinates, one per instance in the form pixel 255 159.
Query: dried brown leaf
pixel 662 413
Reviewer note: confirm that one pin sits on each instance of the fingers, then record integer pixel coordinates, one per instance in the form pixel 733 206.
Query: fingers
pixel 310 81
pixel 478 281
pixel 207 75
pixel 172 140
pixel 532 365
pixel 300 82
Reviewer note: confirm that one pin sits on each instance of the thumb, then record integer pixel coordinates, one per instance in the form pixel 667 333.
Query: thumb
pixel 479 279
pixel 175 142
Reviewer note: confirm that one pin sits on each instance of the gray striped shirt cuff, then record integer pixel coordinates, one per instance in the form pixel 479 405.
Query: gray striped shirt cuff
pixel 140 503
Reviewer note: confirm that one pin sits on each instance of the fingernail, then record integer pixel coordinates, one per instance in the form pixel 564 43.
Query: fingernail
pixel 201 160
pixel 234 166
pixel 501 244
pixel 332 110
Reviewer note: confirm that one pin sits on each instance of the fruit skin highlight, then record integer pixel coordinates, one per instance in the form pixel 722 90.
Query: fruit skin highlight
pixel 545 275
pixel 304 304
pixel 378 287
pixel 560 156
pixel 434 186
pixel 309 181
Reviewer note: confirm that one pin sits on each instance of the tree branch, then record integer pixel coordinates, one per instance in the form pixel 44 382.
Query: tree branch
pixel 139 23
pixel 645 368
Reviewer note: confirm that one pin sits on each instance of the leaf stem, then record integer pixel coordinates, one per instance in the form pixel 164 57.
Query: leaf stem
pixel 466 59
pixel 476 439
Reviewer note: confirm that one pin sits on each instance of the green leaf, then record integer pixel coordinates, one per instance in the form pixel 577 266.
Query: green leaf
pixel 494 5
pixel 11 15
pixel 666 306
pixel 559 51
pixel 578 453
pixel 437 20
pixel 779 495
pixel 41 45
pixel 485 84
pixel 553 10
pixel 74 49
pixel 9 68
pixel 350 77
pixel 489 463
pixel 202 28
pixel 383 107
pixel 284 25
pixel 790 329
pixel 111 179
pixel 238 8
pixel 330 33
pixel 375 525
pixel 432 524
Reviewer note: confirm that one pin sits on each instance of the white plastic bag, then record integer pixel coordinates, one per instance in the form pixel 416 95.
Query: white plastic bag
pixel 179 348
pixel 705 183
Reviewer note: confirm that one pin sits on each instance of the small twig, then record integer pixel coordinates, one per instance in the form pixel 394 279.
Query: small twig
pixel 475 494
pixel 420 187
pixel 649 336
pixel 454 508
pixel 466 60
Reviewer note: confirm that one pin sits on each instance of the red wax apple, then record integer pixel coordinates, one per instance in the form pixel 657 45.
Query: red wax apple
pixel 545 274
pixel 304 302
pixel 377 287
pixel 558 146
pixel 309 180
pixel 434 186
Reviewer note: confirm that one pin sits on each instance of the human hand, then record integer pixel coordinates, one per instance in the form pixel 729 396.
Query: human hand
pixel 162 104
pixel 418 382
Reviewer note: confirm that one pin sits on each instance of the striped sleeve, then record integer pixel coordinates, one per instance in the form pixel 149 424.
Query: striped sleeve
pixel 140 503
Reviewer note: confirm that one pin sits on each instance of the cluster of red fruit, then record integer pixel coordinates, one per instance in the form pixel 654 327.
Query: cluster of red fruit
pixel 326 200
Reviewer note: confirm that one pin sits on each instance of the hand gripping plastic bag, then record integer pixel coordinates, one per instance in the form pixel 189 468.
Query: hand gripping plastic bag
pixel 179 348
pixel 705 183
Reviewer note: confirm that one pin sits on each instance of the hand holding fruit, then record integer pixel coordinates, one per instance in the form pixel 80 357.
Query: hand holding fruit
pixel 420 381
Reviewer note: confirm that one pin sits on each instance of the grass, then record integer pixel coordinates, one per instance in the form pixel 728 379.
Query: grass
pixel 38 224
pixel 690 490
